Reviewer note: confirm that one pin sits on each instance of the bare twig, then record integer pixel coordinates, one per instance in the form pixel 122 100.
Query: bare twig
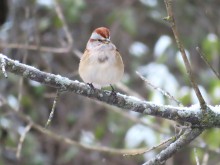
pixel 150 149
pixel 196 156
pixel 34 47
pixel 207 63
pixel 165 93
pixel 53 108
pixel 21 140
pixel 171 19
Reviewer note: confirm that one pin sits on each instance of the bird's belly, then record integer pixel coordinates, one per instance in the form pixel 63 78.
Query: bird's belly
pixel 102 74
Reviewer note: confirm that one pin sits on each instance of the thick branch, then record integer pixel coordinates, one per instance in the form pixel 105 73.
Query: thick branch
pixel 188 136
pixel 184 114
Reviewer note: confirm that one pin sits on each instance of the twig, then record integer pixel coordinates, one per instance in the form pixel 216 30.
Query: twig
pixel 65 27
pixel 171 19
pixel 165 93
pixel 150 149
pixel 20 85
pixel 53 108
pixel 21 140
pixel 21 80
pixel 3 67
pixel 188 136
pixel 196 156
pixel 35 47
pixel 207 63
pixel 205 159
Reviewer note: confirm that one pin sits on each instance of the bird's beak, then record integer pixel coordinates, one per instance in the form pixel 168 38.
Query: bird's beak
pixel 107 40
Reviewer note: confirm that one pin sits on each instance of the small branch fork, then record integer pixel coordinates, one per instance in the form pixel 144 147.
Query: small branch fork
pixel 189 134
pixel 171 19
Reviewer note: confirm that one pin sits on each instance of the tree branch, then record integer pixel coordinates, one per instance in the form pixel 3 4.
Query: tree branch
pixel 188 136
pixel 192 114
pixel 171 19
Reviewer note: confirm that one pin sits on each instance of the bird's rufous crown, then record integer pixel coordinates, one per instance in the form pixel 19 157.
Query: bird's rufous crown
pixel 103 31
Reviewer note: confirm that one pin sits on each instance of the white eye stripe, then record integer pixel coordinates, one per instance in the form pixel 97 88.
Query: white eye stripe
pixel 96 36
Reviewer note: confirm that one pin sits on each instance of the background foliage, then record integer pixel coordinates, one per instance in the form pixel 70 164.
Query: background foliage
pixel 146 43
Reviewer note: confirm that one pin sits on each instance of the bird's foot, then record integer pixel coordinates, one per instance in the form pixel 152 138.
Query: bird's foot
pixel 113 91
pixel 91 86
pixel 114 94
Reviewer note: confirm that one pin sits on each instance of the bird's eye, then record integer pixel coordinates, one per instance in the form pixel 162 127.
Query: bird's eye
pixel 100 40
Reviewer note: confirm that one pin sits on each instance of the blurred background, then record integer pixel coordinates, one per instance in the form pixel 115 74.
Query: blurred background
pixel 146 44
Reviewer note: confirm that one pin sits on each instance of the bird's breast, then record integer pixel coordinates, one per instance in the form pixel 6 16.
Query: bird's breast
pixel 102 57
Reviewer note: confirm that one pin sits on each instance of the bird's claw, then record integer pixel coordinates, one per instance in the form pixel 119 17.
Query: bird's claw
pixel 91 86
pixel 113 93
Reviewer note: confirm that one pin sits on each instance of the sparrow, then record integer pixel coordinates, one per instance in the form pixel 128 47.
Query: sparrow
pixel 101 64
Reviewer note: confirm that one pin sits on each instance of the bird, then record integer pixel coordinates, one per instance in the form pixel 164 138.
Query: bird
pixel 101 64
